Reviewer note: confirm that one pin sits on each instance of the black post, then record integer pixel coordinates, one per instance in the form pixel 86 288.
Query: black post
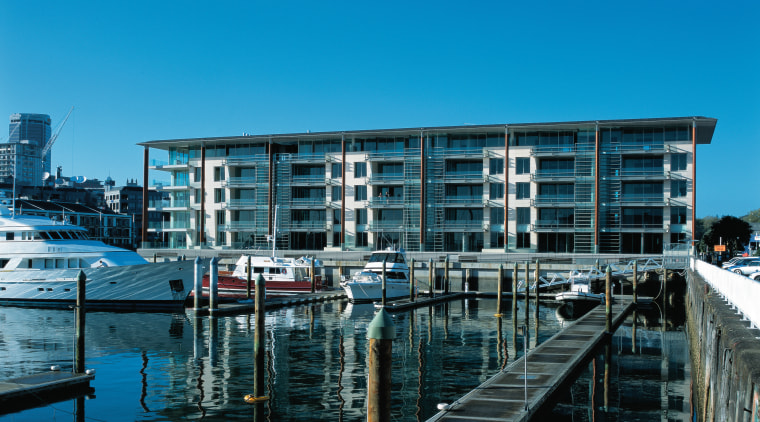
pixel 411 280
pixel 259 344
pixel 608 301
pixel 80 322
pixel 248 279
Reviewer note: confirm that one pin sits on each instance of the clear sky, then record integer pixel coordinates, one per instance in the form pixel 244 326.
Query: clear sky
pixel 147 70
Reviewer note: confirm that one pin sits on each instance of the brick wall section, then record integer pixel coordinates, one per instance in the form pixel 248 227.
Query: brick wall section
pixel 725 357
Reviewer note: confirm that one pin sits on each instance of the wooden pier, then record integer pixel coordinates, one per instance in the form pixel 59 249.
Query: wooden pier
pixel 549 365
pixel 42 389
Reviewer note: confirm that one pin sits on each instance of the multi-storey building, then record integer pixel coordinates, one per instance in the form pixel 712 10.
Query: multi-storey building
pixel 128 199
pixel 21 157
pixel 613 186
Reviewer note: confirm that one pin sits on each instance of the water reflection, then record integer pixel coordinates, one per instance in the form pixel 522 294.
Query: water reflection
pixel 179 367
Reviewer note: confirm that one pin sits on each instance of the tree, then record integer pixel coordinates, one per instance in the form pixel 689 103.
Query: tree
pixel 731 231
pixel 752 217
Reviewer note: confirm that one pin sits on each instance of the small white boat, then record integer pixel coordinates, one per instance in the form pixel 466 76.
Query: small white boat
pixel 580 292
pixel 40 260
pixel 366 285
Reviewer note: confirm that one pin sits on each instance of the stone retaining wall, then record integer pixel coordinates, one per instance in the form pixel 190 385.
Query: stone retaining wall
pixel 725 355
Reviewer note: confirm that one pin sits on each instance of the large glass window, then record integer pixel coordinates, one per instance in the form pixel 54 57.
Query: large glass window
pixel 464 191
pixel 642 164
pixel 360 215
pixel 523 165
pixel 560 167
pixel 497 216
pixel 335 191
pixel 464 167
pixel 360 192
pixel 496 190
pixel 218 173
pixel 219 196
pixel 496 166
pixel 564 191
pixel 563 217
pixel 463 214
pixel 677 162
pixel 523 215
pixel 642 217
pixel 677 188
pixel 522 190
pixel 677 215
pixel 642 190
pixel 360 170
pixel 523 240
pixel 336 170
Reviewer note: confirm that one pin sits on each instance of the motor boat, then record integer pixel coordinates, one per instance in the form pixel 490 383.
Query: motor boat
pixel 366 285
pixel 281 276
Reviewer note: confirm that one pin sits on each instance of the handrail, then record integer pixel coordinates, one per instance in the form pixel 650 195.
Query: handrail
pixel 741 291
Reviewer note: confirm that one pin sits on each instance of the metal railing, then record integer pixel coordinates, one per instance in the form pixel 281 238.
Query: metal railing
pixel 741 291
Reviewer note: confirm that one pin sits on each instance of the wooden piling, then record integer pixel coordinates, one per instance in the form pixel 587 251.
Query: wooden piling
pixel 213 285
pixel 259 342
pixel 431 278
pixel 313 276
pixel 446 275
pixel 248 278
pixel 381 333
pixel 635 281
pixel 514 291
pixel 198 284
pixel 411 280
pixel 385 260
pixel 80 322
pixel 608 301
pixel 536 275
pixel 499 282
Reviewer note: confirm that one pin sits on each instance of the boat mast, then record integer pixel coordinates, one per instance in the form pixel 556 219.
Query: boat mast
pixel 274 231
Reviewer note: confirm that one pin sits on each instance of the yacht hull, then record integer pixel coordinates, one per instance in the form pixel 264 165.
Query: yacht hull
pixel 372 292
pixel 150 286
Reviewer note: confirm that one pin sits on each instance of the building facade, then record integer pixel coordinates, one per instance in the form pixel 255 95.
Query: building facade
pixel 128 199
pixel 21 157
pixel 613 186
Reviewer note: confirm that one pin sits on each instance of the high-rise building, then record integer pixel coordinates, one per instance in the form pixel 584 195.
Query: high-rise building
pixel 21 156
pixel 611 186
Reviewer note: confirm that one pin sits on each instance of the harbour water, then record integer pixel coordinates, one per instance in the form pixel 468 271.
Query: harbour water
pixel 172 367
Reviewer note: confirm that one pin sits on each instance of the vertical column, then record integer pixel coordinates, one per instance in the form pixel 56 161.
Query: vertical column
pixel 693 176
pixel 506 188
pixel 596 188
pixel 422 191
pixel 270 194
pixel 202 234
pixel 144 227
pixel 342 192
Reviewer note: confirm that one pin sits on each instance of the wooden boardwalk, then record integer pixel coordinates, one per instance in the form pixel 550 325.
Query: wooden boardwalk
pixel 42 389
pixel 550 364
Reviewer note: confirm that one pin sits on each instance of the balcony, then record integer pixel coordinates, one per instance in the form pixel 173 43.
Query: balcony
pixel 246 160
pixel 167 205
pixel 308 202
pixel 552 150
pixel 308 180
pixel 553 200
pixel 552 225
pixel 387 178
pixel 386 202
pixel 236 204
pixel 465 200
pixel 241 182
pixel 302 225
pixel 169 166
pixel 464 225
pixel 169 226
pixel 245 226
pixel 386 225
pixel 649 174
pixel 642 200
pixel 464 176
pixel 552 175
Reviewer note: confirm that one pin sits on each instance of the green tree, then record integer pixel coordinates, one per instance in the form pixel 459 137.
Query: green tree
pixel 730 231
pixel 752 217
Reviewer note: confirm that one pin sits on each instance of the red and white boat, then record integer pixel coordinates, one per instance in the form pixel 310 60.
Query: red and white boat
pixel 281 276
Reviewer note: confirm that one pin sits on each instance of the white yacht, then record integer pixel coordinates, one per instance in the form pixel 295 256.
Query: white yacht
pixel 40 260
pixel 366 285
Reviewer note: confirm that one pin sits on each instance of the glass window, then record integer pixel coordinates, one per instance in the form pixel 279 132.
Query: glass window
pixel 496 190
pixel 197 174
pixel 677 215
pixel 523 241
pixel 497 216
pixel 360 192
pixel 197 196
pixel 360 215
pixel 360 170
pixel 218 173
pixel 336 193
pixel 677 188
pixel 522 165
pixel 523 215
pixel 677 162
pixel 219 195
pixel 523 190
pixel 336 216
pixel 336 170
pixel 361 239
pixel 496 166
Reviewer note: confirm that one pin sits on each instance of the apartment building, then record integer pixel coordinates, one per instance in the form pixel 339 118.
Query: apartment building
pixel 607 186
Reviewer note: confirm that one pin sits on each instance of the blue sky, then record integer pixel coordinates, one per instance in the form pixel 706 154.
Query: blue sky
pixel 147 70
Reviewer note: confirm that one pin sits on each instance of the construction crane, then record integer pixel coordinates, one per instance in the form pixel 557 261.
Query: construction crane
pixel 50 142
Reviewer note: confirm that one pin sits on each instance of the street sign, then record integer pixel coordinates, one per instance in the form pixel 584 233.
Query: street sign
pixel 720 248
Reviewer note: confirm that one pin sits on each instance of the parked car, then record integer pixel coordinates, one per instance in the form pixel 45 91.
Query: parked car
pixel 755 276
pixel 746 268
pixel 738 261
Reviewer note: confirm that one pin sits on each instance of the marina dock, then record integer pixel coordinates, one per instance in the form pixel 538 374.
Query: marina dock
pixel 511 395
pixel 42 389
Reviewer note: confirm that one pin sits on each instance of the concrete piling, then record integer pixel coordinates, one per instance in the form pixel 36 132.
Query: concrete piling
pixel 385 261
pixel 380 333
pixel 446 275
pixel 431 277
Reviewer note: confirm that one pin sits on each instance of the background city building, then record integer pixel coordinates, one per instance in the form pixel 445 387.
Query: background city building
pixel 613 186
pixel 23 156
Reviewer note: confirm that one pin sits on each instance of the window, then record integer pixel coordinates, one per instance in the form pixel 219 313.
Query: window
pixel 677 162
pixel 522 165
pixel 336 170
pixel 360 170
pixel 523 190
pixel 361 239
pixel 496 190
pixel 497 216
pixel 523 215
pixel 8 235
pixel 336 216
pixel 360 192
pixel 197 196
pixel 218 173
pixel 219 196
pixel 336 193
pixel 361 215
pixel 677 188
pixel 497 239
pixel 496 166
pixel 523 241
pixel 677 215
pixel 197 174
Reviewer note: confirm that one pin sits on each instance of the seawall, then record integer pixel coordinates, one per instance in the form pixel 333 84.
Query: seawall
pixel 725 354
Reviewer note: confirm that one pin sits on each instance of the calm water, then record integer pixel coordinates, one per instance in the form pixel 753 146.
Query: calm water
pixel 174 367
